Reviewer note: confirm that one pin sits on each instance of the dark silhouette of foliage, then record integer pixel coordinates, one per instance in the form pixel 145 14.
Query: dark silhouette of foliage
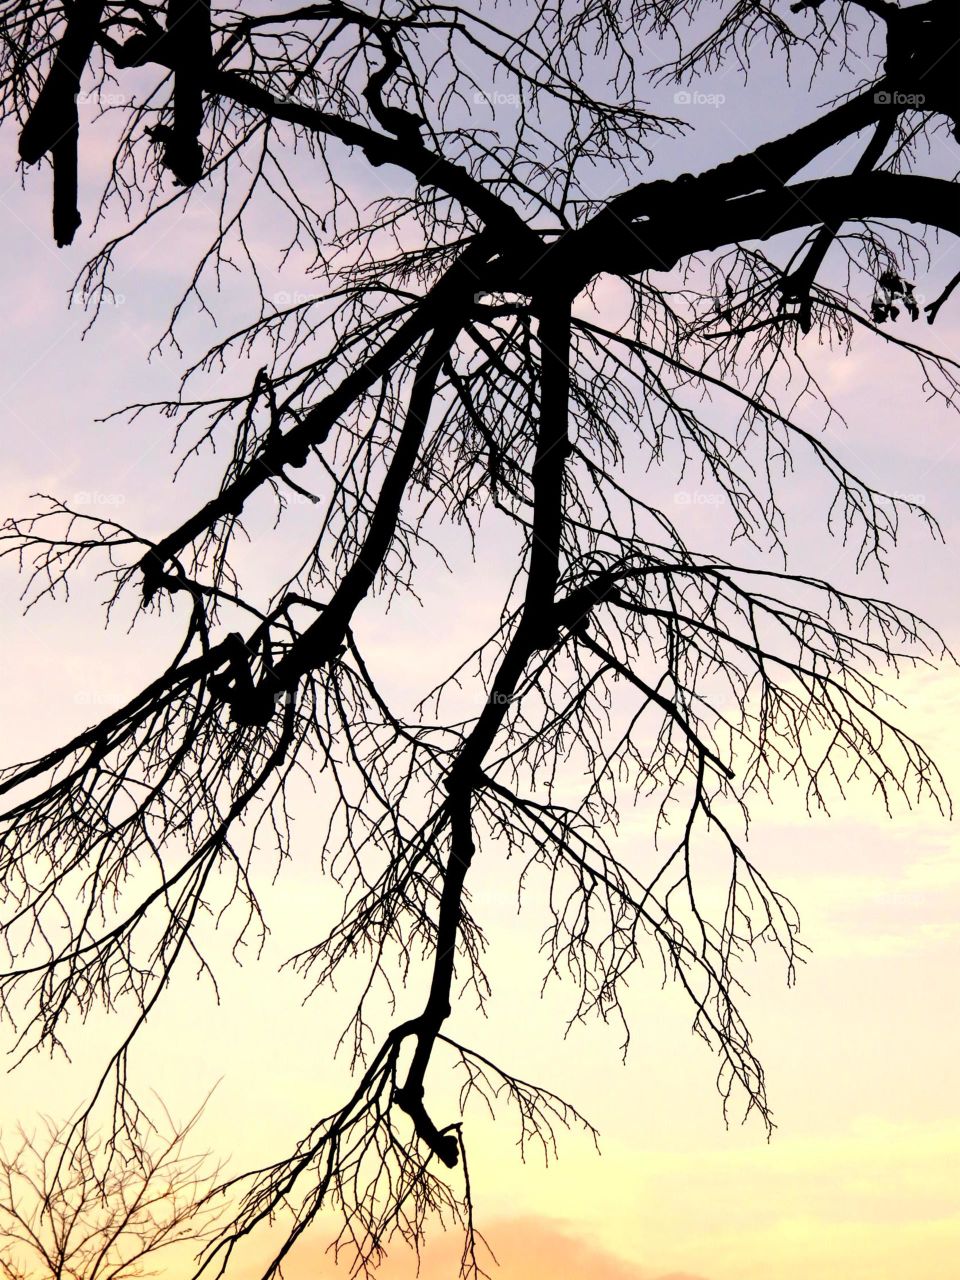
pixel 442 375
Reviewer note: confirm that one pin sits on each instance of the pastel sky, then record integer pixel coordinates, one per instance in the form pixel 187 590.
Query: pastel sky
pixel 859 1179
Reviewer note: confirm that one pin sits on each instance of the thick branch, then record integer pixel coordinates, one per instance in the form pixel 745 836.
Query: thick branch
pixel 53 125
pixel 323 638
pixel 407 153
pixel 188 21
pixel 657 245
pixel 437 1009
pixel 769 166
pixel 291 448
pixel 553 448
pixel 536 628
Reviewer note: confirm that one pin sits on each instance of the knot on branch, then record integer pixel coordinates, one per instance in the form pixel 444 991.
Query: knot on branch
pixel 181 154
pixel 251 704
pixel 135 52
pixel 404 125
pixel 149 43
pixel 573 611
pixel 154 574
pixel 186 46
pixel 444 1145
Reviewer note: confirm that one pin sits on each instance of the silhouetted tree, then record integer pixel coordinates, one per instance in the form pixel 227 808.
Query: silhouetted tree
pixel 442 375
pixel 88 1212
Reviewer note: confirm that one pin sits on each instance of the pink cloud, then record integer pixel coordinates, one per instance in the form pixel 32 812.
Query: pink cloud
pixel 528 1248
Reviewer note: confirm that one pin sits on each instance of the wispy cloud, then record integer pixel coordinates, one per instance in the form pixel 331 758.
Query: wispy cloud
pixel 527 1248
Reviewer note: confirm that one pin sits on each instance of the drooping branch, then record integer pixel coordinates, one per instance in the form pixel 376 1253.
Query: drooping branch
pixel 380 148
pixel 188 33
pixel 549 464
pixel 53 125
pixel 438 1007
pixel 537 628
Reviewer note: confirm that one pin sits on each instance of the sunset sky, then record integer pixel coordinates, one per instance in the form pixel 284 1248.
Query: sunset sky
pixel 859 1180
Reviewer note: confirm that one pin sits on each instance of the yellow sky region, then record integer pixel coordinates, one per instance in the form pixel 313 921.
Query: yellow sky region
pixel 534 1248
pixel 875 1203
pixel 858 1182
pixel 529 1248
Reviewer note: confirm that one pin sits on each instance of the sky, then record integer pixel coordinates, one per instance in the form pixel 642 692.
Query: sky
pixel 858 1180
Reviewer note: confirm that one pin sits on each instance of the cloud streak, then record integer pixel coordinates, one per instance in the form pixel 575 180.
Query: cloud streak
pixel 525 1248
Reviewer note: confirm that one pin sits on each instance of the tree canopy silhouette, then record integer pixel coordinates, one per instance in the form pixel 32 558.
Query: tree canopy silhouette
pixel 453 367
